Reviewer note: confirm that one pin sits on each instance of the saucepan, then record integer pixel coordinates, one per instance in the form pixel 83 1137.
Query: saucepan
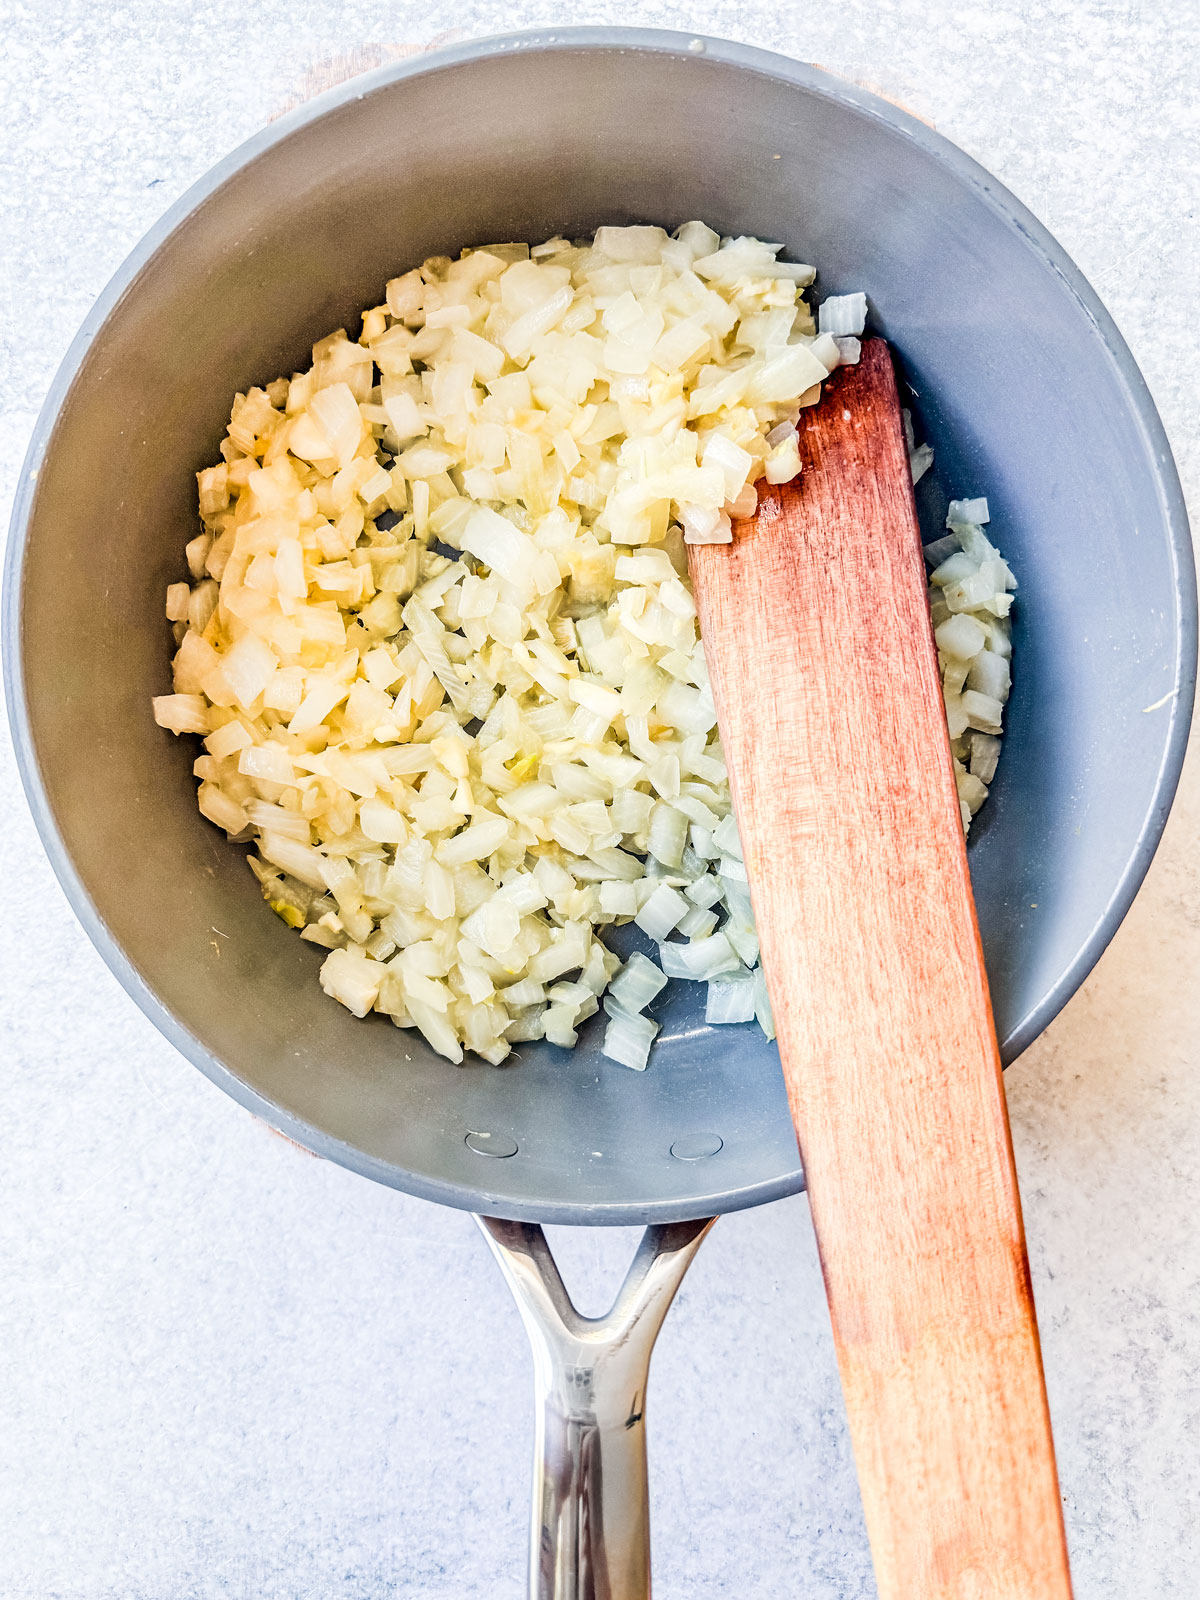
pixel 1017 377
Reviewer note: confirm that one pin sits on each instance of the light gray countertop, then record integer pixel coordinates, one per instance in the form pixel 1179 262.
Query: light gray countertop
pixel 231 1370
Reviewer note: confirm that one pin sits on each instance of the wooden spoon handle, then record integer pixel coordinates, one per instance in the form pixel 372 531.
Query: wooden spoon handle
pixel 825 675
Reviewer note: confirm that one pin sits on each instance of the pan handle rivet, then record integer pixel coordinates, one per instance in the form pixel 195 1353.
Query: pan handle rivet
pixel 697 1146
pixel 500 1145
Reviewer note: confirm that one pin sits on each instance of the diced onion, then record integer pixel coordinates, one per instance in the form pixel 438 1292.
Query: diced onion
pixel 182 713
pixel 730 1000
pixel 701 959
pixel 726 835
pixel 843 314
pixel 353 978
pixel 920 460
pixel 664 910
pixel 637 983
pixel 627 1040
pixel 967 511
pixel 961 636
pixel 438 637
pixel 762 1004
pixel 704 891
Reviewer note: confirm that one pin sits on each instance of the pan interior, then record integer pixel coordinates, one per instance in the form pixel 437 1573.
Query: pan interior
pixel 1024 394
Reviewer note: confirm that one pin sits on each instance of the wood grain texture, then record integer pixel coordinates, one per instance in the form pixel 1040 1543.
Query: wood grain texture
pixel 825 674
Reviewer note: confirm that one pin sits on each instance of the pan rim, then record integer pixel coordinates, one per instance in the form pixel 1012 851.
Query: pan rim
pixel 806 79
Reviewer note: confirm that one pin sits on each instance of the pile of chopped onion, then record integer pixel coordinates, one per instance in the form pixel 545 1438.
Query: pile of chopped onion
pixel 970 595
pixel 441 646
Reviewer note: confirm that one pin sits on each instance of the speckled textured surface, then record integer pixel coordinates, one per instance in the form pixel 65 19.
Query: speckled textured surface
pixel 233 1371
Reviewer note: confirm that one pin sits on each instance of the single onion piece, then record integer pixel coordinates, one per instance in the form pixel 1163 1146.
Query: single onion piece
pixel 664 910
pixel 920 460
pixel 698 923
pixel 698 520
pixel 729 459
pixel 825 348
pixel 762 1004
pixel 726 835
pixel 353 978
pixel 961 637
pixel 843 314
pixel 701 959
pixel 962 511
pixel 744 504
pixel 668 834
pixel 627 1040
pixel 783 464
pixel 181 713
pixel 637 984
pixel 720 533
pixel 704 891
pixel 730 1000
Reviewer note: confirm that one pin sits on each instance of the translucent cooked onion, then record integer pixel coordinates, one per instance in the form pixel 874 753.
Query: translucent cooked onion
pixel 627 1040
pixel 970 596
pixel 700 959
pixel 844 314
pixel 442 650
pixel 730 999
pixel 638 982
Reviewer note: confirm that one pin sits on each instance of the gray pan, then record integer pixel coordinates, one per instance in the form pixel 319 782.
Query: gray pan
pixel 1018 378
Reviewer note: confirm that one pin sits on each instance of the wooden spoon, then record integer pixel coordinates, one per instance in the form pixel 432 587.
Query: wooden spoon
pixel 818 639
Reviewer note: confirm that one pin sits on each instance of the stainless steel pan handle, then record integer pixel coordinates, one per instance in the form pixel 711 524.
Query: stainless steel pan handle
pixel 590 1534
